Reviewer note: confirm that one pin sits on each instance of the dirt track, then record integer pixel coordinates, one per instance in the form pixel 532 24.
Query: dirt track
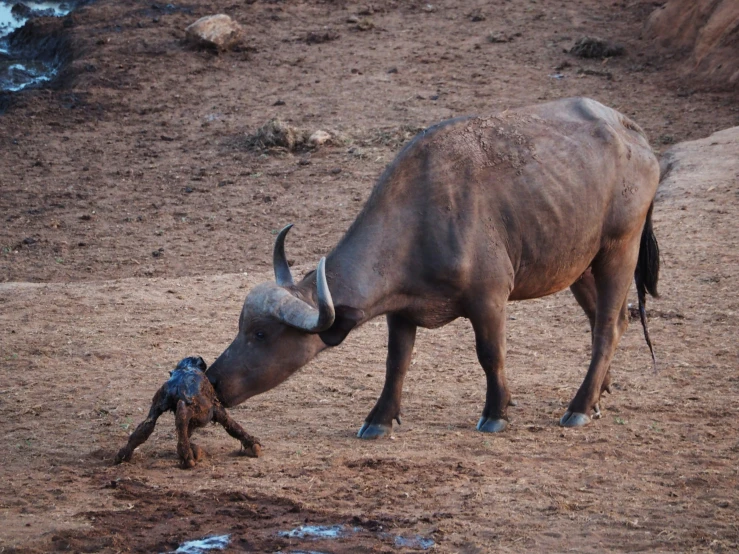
pixel 96 178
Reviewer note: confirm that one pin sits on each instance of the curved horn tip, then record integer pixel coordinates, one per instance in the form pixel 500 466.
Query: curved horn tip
pixel 325 302
pixel 283 276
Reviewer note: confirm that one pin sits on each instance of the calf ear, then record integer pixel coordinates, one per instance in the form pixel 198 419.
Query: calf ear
pixel 346 319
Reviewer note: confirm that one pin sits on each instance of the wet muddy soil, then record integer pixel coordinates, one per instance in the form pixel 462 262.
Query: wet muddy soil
pixel 34 47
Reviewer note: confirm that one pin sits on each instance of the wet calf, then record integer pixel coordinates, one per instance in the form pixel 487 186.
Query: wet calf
pixel 188 394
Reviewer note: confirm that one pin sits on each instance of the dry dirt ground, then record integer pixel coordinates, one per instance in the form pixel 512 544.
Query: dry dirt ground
pixel 135 220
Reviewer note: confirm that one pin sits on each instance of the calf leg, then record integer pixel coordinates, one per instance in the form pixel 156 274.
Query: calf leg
pixel 612 277
pixel 401 337
pixel 251 445
pixel 182 424
pixel 141 433
pixel 488 322
pixel 197 453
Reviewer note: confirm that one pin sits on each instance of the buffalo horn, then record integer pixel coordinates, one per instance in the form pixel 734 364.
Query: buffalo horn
pixel 301 315
pixel 282 269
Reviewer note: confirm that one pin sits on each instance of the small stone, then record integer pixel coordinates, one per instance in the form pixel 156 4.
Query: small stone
pixel 319 138
pixel 365 24
pixel 215 31
pixel 21 11
pixel 319 37
pixel 498 37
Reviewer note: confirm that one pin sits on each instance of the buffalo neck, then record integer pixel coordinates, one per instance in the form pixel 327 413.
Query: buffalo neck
pixel 363 269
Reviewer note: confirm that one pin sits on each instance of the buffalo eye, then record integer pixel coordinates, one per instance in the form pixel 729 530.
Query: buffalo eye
pixel 260 335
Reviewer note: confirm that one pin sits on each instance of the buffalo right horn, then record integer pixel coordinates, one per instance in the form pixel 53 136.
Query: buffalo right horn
pixel 282 269
pixel 301 315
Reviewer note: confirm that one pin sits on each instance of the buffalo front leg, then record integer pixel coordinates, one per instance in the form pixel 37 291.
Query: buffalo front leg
pixel 182 424
pixel 488 322
pixel 401 337
pixel 612 281
pixel 251 445
pixel 141 433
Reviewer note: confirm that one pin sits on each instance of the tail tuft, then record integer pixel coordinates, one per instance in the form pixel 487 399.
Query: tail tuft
pixel 646 275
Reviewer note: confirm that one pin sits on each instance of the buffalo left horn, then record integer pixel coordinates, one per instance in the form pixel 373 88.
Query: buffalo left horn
pixel 282 269
pixel 301 315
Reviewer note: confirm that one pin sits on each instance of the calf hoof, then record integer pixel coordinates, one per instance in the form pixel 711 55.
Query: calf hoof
pixel 197 453
pixel 253 451
pixel 187 464
pixel 574 419
pixel 487 425
pixel 371 431
pixel 122 456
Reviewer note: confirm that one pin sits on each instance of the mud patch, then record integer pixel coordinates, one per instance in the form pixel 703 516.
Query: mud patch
pixel 198 546
pixel 193 523
pixel 33 48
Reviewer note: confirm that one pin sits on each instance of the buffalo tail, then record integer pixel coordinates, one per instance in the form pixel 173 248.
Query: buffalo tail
pixel 646 275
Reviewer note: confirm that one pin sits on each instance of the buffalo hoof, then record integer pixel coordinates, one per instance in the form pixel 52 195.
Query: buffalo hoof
pixel 487 425
pixel 370 431
pixel 574 419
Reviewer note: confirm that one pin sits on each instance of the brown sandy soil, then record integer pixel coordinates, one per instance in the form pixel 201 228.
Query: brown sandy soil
pixel 94 179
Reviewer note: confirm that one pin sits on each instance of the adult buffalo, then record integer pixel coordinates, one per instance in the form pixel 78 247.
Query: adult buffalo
pixel 472 213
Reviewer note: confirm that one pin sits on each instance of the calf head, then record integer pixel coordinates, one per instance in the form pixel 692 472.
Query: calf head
pixel 278 332
pixel 195 362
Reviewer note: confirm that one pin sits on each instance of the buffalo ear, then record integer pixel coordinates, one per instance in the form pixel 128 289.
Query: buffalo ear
pixel 346 319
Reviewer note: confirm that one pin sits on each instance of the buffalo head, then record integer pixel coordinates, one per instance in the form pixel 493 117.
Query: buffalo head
pixel 278 332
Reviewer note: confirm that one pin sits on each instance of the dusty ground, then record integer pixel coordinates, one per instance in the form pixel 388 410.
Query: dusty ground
pixel 144 151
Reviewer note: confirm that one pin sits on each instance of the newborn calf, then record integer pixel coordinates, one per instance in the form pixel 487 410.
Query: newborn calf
pixel 190 395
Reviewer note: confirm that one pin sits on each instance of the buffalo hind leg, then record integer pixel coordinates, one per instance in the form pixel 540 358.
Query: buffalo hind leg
pixel 251 445
pixel 586 295
pixel 401 337
pixel 142 432
pixel 612 277
pixel 183 415
pixel 488 322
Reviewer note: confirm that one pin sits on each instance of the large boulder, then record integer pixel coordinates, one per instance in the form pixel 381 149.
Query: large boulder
pixel 219 32
pixel 691 169
pixel 706 32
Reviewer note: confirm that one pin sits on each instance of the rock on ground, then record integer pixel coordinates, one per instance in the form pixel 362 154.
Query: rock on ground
pixel 689 168
pixel 215 31
pixel 319 138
